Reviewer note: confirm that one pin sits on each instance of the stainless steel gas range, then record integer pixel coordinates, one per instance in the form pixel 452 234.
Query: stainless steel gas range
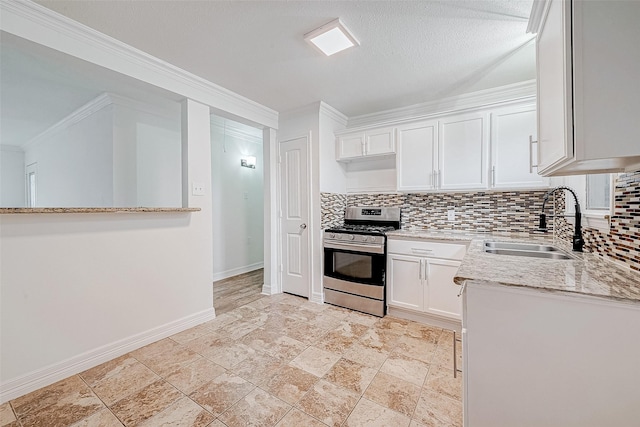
pixel 355 259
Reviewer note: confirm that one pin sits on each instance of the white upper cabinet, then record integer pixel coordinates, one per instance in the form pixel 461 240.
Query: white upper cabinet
pixel 588 91
pixel 367 144
pixel 462 150
pixel 416 161
pixel 514 156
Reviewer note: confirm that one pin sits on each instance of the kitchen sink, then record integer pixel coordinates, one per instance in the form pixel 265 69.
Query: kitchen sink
pixel 525 250
pixel 521 246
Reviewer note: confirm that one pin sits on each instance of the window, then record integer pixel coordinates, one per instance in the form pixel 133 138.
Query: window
pixel 31 185
pixel 599 192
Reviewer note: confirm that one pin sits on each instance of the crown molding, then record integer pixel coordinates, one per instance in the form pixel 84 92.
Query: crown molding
pixel 91 107
pixel 333 113
pixel 535 18
pixel 41 25
pixel 236 130
pixel 510 93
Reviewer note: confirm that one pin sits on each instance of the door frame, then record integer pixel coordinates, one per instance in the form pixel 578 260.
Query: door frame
pixel 310 223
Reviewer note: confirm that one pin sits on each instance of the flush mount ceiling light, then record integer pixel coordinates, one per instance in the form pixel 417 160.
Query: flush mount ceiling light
pixel 248 162
pixel 331 38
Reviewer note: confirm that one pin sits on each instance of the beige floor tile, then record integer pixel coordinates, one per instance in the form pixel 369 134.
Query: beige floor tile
pixel 443 356
pixel 364 354
pixel 238 329
pixel 393 324
pixel 327 320
pixel 221 321
pixel 441 380
pixel 182 413
pixel 315 361
pixel 290 384
pixel 190 377
pixel 297 418
pixel 229 355
pixel 362 318
pixel 191 333
pixel 306 333
pixel 335 311
pixel 111 368
pixel 328 403
pixel 128 380
pixel 393 393
pixel 406 368
pixel 170 359
pixel 285 348
pixel 6 414
pixel 102 418
pixel 261 339
pixel 435 410
pixel 221 393
pixel 257 408
pixel 424 332
pixel 258 368
pixel 208 342
pixel 342 337
pixel 217 423
pixel 146 403
pixel 415 423
pixel 382 339
pixel 415 348
pixel 350 375
pixel 370 414
pixel 66 410
pixel 47 395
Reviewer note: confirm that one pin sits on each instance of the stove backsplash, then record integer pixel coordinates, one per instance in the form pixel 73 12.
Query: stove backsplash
pixel 512 211
pixel 508 211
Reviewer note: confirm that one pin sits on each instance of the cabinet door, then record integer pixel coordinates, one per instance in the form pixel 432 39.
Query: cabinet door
pixel 553 50
pixel 513 152
pixel 350 146
pixel 463 152
pixel 404 282
pixel 441 295
pixel 417 154
pixel 380 141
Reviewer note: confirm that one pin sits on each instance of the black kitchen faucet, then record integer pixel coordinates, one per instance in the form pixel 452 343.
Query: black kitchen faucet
pixel 578 241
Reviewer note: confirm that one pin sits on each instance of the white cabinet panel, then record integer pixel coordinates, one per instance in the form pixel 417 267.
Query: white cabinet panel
pixel 404 282
pixel 442 293
pixel 462 152
pixel 417 153
pixel 513 150
pixel 380 141
pixel 350 146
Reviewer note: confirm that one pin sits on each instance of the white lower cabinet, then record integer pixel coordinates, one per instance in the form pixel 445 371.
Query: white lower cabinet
pixel 536 358
pixel 420 278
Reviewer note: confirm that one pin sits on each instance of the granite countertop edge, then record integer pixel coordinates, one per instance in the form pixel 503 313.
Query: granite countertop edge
pixel 583 274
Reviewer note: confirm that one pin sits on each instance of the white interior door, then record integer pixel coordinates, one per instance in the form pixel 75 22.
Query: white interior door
pixel 294 212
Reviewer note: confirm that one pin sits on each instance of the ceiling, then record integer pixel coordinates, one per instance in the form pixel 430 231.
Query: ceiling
pixel 411 51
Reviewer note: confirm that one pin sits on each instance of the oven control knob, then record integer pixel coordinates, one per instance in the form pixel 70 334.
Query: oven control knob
pixel 365 238
pixel 351 237
pixel 332 235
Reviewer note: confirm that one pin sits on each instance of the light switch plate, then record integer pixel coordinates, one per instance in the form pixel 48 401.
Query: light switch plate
pixel 451 215
pixel 197 189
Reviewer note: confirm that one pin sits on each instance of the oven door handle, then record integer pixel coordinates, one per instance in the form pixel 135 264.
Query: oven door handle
pixel 373 248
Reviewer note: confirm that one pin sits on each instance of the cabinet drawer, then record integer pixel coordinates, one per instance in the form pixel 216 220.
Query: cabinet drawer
pixel 427 249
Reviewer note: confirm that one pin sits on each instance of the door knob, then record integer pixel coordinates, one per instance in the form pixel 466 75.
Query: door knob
pixel 303 226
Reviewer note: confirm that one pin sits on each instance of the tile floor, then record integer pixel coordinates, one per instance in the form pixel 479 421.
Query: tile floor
pixel 277 360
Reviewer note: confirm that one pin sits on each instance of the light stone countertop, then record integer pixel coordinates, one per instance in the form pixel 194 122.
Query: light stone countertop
pixel 6 211
pixel 585 274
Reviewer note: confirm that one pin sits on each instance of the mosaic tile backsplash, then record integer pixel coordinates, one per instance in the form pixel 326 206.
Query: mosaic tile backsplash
pixel 510 211
pixel 622 242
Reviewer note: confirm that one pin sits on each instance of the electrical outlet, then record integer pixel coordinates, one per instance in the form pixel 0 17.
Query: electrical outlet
pixel 451 215
pixel 197 189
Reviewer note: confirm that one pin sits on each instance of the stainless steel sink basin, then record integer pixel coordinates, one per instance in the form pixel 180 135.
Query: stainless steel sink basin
pixel 525 250
pixel 520 246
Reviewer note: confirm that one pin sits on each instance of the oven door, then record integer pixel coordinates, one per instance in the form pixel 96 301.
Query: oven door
pixel 354 266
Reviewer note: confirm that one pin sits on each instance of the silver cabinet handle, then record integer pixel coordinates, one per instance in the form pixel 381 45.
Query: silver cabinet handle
pixel 303 226
pixel 421 250
pixel 493 176
pixel 421 270
pixel 439 179
pixel 531 165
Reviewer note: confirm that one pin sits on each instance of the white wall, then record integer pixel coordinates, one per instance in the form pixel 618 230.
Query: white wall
pixel 12 177
pixel 74 164
pixel 333 176
pixel 237 192
pixel 77 290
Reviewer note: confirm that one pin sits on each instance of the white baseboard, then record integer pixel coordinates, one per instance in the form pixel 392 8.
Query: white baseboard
pixel 50 374
pixel 235 271
pixel 317 297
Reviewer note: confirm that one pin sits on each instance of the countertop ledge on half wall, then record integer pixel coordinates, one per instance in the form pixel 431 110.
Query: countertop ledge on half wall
pixel 5 211
pixel 585 273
